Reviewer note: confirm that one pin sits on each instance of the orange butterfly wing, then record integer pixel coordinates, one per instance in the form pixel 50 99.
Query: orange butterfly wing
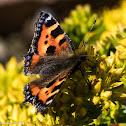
pixel 41 92
pixel 49 38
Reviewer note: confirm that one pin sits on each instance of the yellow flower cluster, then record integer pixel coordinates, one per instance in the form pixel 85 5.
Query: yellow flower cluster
pixel 79 22
pixel 115 17
pixel 12 111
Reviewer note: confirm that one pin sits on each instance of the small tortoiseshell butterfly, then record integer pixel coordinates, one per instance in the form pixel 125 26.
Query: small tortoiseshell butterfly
pixel 52 56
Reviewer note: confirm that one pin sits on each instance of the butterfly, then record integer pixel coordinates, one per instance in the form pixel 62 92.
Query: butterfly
pixel 52 56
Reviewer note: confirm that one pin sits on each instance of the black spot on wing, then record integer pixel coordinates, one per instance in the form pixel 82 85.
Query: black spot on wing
pixel 50 22
pixel 50 84
pixel 61 78
pixel 62 41
pixel 50 97
pixel 47 36
pixel 46 42
pixel 57 31
pixel 56 87
pixel 50 50
pixel 46 15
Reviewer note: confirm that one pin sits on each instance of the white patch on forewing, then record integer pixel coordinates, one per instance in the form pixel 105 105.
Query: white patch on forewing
pixel 48 18
pixel 48 102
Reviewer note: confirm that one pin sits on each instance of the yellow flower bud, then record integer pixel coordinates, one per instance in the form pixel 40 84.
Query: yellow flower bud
pixel 118 73
pixel 122 56
pixel 97 87
pixel 11 97
pixel 73 114
pixel 40 117
pixel 31 110
pixel 9 108
pixel 122 42
pixel 3 101
pixel 23 115
pixel 12 65
pixel 106 94
pixel 110 60
pixel 95 100
pixel 106 104
pixel 103 68
pixel 2 119
pixel 15 112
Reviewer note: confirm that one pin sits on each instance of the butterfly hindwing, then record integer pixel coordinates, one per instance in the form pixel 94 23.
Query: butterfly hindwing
pixel 40 93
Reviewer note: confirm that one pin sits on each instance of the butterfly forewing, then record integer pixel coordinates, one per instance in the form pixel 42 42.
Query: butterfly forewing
pixel 49 38
pixel 50 45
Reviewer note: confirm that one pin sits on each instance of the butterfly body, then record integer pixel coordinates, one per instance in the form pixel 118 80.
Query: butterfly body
pixel 52 56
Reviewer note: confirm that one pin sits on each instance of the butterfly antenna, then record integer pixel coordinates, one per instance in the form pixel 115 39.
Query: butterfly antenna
pixel 88 34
